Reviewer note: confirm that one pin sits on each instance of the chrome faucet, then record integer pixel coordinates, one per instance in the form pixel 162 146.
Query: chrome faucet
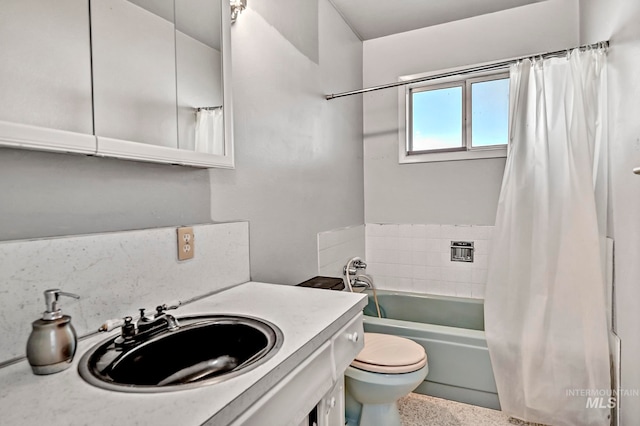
pixel 356 265
pixel 161 320
pixel 362 281
pixel 352 269
pixel 145 327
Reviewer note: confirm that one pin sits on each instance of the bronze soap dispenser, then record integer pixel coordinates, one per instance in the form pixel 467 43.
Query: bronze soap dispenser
pixel 52 342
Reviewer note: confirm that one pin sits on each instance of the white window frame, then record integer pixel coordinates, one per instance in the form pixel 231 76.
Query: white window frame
pixel 466 151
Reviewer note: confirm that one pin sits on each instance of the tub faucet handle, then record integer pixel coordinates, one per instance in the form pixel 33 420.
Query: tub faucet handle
pixel 359 264
pixel 352 271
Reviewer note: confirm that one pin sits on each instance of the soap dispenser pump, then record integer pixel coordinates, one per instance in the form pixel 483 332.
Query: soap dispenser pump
pixel 52 343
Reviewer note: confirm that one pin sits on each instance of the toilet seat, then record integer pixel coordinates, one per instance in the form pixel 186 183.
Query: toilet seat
pixel 387 354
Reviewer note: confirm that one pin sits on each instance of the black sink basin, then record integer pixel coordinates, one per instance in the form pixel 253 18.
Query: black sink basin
pixel 202 351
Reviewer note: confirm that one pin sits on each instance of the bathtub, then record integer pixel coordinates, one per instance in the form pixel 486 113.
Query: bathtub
pixel 451 329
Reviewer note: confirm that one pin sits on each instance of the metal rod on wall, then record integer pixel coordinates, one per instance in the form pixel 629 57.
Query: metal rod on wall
pixel 208 108
pixel 479 68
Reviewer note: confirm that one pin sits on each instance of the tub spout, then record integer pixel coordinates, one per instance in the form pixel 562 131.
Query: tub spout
pixel 362 281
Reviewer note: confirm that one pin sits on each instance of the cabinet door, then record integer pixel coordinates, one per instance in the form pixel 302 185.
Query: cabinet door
pixel 45 75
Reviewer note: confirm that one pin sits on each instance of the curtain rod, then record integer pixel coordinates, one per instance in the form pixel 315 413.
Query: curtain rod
pixel 208 108
pixel 479 68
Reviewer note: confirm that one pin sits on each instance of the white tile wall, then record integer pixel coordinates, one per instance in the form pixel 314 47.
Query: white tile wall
pixel 114 273
pixel 417 258
pixel 337 246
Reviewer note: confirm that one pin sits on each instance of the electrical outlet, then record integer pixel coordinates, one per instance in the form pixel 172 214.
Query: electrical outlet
pixel 186 243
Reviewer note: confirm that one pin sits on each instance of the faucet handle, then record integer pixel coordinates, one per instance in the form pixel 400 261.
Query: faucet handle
pixel 161 309
pixel 359 264
pixel 352 271
pixel 143 317
pixel 174 304
pixel 128 329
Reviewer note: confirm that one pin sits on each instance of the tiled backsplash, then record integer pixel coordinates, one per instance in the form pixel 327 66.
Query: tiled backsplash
pixel 336 247
pixel 114 273
pixel 417 258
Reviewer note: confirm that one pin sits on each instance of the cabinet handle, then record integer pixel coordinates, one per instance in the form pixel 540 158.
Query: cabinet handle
pixel 353 337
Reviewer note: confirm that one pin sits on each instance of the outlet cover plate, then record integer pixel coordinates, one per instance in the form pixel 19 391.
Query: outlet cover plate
pixel 186 243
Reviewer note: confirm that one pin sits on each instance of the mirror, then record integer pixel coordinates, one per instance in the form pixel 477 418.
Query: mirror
pixel 199 76
pixel 160 88
pixel 134 75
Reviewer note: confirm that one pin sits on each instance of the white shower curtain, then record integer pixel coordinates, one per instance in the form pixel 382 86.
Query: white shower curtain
pixel 545 314
pixel 210 131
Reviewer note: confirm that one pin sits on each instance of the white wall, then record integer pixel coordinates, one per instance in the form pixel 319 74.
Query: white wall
pixel 617 21
pixel 297 22
pixel 298 157
pixel 459 192
pixel 44 194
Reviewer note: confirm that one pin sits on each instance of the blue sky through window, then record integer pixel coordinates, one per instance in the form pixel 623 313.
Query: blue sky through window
pixel 438 116
pixel 437 119
pixel 490 112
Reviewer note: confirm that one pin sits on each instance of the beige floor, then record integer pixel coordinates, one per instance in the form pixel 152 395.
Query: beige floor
pixel 422 410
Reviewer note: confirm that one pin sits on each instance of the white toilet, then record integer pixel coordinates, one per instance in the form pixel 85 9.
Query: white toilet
pixel 388 368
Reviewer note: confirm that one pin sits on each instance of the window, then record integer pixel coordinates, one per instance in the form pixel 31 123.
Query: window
pixel 437 119
pixel 462 119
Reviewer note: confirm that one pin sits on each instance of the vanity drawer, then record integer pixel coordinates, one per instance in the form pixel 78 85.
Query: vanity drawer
pixel 347 343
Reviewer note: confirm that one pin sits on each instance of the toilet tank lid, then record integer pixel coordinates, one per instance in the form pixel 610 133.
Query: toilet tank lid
pixel 388 350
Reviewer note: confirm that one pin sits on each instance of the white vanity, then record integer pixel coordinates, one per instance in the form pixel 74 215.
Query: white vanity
pixel 322 334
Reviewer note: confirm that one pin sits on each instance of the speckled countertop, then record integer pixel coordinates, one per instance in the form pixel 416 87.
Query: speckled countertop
pixel 307 318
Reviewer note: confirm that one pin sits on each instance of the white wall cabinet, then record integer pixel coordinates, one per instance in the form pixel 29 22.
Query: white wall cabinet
pixel 118 78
